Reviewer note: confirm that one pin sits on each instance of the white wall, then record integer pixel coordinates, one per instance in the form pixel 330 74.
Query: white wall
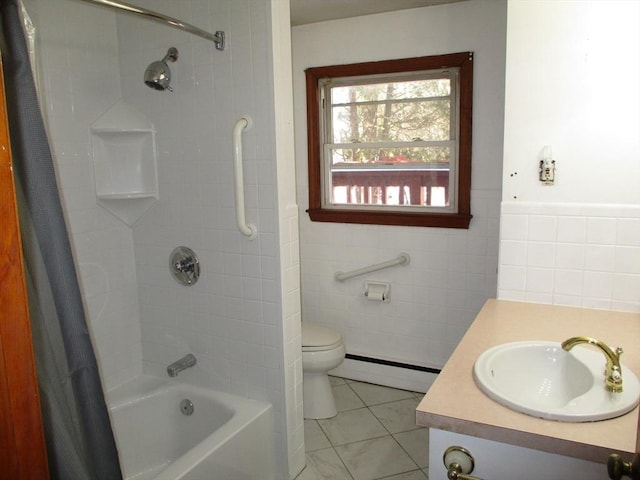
pixel 232 319
pixel 452 272
pixel 289 231
pixel 575 88
pixel 242 318
pixel 77 63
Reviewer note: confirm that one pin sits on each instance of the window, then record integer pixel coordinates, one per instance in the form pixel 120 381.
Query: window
pixel 390 142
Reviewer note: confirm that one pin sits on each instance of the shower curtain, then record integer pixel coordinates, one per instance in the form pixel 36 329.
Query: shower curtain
pixel 80 443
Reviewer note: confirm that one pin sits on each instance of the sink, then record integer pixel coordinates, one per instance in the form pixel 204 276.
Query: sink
pixel 541 379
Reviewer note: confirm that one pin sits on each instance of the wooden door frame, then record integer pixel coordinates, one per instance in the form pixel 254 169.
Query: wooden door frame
pixel 22 444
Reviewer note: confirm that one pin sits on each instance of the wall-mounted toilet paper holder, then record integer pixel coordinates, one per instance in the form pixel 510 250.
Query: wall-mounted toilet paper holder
pixel 377 291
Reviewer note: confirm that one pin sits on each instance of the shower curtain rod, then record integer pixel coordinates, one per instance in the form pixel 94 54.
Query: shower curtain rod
pixel 217 38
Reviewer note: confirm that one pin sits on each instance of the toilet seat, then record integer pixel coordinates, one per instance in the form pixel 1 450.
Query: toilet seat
pixel 318 338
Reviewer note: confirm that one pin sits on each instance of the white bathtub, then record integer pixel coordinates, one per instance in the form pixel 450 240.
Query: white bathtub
pixel 226 437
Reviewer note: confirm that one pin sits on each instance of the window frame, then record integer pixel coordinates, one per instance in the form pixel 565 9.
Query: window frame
pixel 370 215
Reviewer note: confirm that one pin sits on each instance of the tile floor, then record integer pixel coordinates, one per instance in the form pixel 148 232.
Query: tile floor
pixel 374 436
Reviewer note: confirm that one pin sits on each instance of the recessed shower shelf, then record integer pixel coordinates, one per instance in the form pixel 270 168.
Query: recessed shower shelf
pixel 127 209
pixel 124 157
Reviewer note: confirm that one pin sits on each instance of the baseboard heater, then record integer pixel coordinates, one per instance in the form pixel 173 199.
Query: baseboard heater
pixel 391 363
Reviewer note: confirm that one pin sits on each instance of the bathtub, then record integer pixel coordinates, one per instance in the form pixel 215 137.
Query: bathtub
pixel 226 437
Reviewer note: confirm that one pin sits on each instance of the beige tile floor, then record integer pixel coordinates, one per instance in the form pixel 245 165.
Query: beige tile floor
pixel 374 436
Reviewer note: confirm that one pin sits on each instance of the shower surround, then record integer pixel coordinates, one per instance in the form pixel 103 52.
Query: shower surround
pixel 241 319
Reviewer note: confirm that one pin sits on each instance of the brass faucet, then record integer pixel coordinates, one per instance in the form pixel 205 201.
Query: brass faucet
pixel 613 372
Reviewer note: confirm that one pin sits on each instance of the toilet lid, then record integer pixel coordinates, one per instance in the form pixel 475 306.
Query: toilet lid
pixel 318 336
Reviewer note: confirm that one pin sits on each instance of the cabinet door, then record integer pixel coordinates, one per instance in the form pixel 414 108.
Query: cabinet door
pixel 495 460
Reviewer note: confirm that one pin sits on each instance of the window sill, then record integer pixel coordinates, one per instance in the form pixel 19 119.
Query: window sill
pixel 442 220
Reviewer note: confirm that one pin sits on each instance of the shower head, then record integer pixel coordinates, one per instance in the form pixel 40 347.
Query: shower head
pixel 158 74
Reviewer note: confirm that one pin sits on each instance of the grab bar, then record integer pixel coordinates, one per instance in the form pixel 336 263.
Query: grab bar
pixel 246 229
pixel 402 259
pixel 217 38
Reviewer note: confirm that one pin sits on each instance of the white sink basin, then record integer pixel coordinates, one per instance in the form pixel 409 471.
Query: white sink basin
pixel 543 380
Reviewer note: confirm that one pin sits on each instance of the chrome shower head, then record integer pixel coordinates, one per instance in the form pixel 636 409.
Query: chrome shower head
pixel 158 74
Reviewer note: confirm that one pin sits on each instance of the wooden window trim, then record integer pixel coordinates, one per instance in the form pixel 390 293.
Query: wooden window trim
pixel 462 217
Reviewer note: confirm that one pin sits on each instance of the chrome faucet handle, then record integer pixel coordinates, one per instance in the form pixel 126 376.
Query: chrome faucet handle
pixel 185 266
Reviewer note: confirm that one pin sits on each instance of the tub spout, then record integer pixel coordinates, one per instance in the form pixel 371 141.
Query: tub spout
pixel 613 371
pixel 185 362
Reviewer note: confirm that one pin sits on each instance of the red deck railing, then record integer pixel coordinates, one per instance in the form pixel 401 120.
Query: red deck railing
pixel 414 187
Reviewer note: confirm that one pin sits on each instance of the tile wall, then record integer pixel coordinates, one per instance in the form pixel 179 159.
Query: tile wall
pixel 576 242
pixel 232 319
pixel 452 272
pixel 571 254
pixel 142 320
pixel 77 70
pixel 283 131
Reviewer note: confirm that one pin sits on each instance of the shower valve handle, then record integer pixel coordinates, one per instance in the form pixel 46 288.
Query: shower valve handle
pixel 185 266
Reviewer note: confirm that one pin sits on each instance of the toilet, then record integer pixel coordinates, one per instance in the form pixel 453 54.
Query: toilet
pixel 322 350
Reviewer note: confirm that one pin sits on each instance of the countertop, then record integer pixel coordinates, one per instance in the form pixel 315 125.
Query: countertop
pixel 454 403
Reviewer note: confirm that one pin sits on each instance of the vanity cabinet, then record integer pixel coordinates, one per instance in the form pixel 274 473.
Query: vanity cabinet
pixel 495 460
pixel 507 444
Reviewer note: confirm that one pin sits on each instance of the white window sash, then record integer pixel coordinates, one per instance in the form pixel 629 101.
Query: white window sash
pixel 327 167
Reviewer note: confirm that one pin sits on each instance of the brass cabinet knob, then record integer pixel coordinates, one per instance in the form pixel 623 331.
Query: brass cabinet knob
pixel 618 468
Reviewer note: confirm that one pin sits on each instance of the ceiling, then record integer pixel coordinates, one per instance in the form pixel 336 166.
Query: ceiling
pixel 311 11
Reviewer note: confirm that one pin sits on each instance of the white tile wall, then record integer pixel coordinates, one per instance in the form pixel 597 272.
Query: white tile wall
pixel 571 254
pixel 433 299
pixel 289 232
pixel 77 66
pixel 452 272
pixel 232 319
